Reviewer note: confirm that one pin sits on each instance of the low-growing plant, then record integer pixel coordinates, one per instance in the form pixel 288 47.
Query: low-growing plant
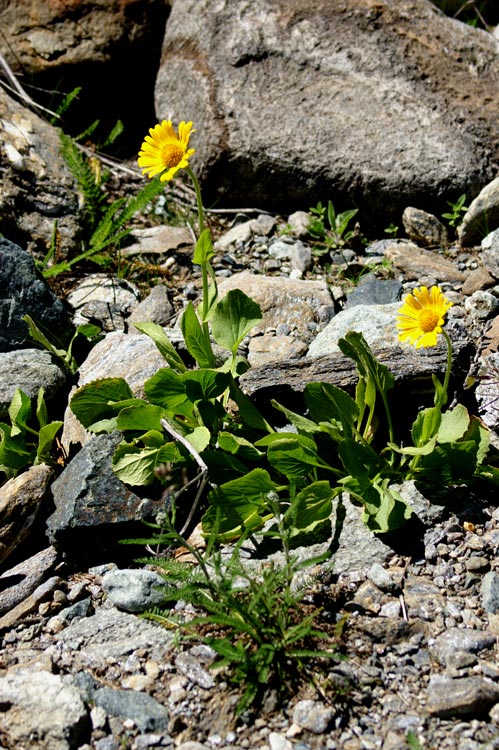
pixel 330 227
pixel 197 427
pixel 29 438
pixel 457 211
pixel 252 617
pixel 64 356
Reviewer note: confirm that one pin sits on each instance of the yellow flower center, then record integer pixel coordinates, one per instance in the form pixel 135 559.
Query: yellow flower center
pixel 428 320
pixel 171 154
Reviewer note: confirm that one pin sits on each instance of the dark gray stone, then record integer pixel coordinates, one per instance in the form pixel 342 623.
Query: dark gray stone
pixel 29 370
pixel 374 291
pixel 93 508
pixel 25 292
pixel 142 709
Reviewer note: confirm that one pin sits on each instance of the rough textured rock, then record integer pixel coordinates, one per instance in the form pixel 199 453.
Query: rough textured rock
pixel 29 370
pixel 25 292
pixel 20 501
pixel 302 305
pixel 482 215
pixel 93 44
pixel 43 711
pixel 37 187
pixel 19 582
pixel 374 104
pixel 93 509
pixel 134 590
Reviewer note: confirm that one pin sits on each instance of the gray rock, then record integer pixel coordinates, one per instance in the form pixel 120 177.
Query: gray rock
pixel 270 348
pixel 134 590
pixel 375 322
pixel 37 188
pixel 157 241
pixel 465 696
pixel 423 266
pixel 299 303
pixel 29 370
pixel 461 639
pixel 217 61
pixel 489 591
pixel 372 290
pixel 42 710
pixel 382 578
pixel 20 502
pixel 313 715
pixel 111 633
pixel 17 583
pixel 190 666
pixel 142 709
pixel 104 301
pixel 424 228
pixel 481 305
pixel 156 308
pixel 490 253
pixel 298 222
pixel 482 215
pixel 25 292
pixel 487 390
pixel 93 508
pixel 31 603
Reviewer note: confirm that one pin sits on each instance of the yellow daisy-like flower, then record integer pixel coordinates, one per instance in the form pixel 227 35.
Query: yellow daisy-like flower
pixel 165 151
pixel 421 317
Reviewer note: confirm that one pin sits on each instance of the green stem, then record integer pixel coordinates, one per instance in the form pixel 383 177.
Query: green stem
pixel 448 369
pixel 198 198
pixel 204 265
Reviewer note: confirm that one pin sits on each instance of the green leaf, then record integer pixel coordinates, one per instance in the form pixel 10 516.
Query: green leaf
pixel 195 339
pixel 384 508
pixel 360 460
pixel 247 410
pixel 166 388
pixel 356 347
pixel 163 343
pixel 301 423
pixel 454 424
pixel 136 466
pixel 238 446
pixel 479 433
pixel 239 505
pixel 233 318
pixel 205 384
pixel 326 401
pixel 203 252
pixel 310 509
pixel 37 335
pixel 450 463
pixel 199 438
pixel 41 408
pixel 96 400
pixel 410 450
pixel 294 456
pixel 14 453
pixel 426 426
pixel 142 417
pixel 19 411
pixel 45 440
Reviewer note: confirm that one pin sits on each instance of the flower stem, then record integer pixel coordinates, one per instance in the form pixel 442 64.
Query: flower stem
pixel 204 268
pixel 198 198
pixel 445 386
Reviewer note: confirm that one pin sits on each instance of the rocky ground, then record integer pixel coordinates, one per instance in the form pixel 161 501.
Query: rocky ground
pixel 419 613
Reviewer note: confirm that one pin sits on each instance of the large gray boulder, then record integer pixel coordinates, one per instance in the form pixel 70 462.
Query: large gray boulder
pixel 375 105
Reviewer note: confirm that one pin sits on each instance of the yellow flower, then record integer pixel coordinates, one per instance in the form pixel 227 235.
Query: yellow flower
pixel 421 317
pixel 165 151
